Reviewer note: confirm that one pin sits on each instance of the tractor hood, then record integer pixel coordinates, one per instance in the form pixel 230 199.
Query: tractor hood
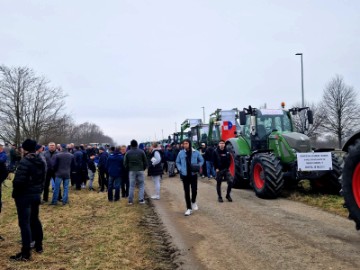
pixel 298 141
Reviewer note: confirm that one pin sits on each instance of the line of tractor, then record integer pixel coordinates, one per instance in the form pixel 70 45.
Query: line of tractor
pixel 267 154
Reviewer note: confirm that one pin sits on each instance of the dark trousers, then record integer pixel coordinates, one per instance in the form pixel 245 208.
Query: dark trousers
pixel 78 179
pixel 29 222
pixel 49 174
pixel 103 179
pixel 125 187
pixel 190 181
pixel 223 175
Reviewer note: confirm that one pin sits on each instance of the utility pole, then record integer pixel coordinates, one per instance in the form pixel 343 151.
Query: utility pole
pixel 203 114
pixel 302 80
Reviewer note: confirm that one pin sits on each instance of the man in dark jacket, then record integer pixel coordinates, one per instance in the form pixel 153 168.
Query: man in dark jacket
pixel 63 165
pixel 28 185
pixel 79 159
pixel 49 156
pixel 136 162
pixel 222 165
pixel 170 157
pixel 114 167
pixel 125 176
pixel 103 156
pixel 3 171
pixel 209 162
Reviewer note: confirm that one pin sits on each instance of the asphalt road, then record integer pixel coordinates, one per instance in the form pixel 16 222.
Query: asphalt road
pixel 251 233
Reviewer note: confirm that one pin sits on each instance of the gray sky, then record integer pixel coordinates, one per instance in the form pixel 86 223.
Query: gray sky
pixel 137 67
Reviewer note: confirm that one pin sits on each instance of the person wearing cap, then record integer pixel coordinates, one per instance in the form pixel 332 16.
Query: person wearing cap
pixel 63 165
pixel 28 185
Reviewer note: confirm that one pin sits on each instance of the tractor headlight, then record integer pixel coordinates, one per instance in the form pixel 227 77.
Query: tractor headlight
pixel 293 150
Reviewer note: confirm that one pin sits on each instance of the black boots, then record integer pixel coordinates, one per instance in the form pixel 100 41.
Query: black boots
pixel 24 255
pixel 229 198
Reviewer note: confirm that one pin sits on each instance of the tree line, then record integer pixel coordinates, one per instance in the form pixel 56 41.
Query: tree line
pixel 30 107
pixel 336 116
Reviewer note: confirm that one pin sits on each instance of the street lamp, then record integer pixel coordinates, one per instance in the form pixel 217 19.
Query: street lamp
pixel 203 114
pixel 302 80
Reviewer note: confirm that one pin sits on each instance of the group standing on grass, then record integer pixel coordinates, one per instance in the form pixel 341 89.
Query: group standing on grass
pixel 120 170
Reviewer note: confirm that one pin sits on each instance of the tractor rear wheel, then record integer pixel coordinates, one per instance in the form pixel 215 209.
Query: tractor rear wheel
pixel 235 167
pixel 351 183
pixel 329 183
pixel 266 176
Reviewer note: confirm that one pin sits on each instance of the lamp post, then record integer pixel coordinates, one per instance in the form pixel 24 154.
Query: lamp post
pixel 203 114
pixel 302 80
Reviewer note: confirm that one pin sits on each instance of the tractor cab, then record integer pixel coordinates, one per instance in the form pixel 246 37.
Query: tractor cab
pixel 260 123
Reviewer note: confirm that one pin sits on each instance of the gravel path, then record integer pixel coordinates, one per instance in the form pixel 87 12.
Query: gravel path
pixel 251 233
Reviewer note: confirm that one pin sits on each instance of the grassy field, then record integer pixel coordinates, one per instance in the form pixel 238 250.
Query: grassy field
pixel 89 233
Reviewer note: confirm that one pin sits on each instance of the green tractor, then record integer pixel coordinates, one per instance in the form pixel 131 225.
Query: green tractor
pixel 268 153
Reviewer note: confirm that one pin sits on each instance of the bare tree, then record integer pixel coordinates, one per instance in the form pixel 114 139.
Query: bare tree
pixel 340 108
pixel 301 122
pixel 29 106
pixel 15 84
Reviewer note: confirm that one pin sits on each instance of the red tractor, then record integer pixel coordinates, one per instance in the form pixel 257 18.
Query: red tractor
pixel 351 178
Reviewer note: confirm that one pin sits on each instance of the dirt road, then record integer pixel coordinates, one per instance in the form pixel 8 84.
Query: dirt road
pixel 252 233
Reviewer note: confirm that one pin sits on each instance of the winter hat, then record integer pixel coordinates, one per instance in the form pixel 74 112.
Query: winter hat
pixel 63 146
pixel 38 146
pixel 134 143
pixel 29 145
pixel 102 148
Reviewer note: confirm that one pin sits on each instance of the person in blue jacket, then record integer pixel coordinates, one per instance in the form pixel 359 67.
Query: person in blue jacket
pixel 114 167
pixel 189 162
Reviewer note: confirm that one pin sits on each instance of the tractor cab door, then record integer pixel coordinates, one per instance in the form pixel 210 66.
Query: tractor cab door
pixel 259 140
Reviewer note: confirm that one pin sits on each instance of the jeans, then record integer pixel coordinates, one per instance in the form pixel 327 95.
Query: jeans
pixel 57 190
pixel 187 182
pixel 210 169
pixel 28 215
pixel 156 179
pixel 114 182
pixel 91 178
pixel 136 177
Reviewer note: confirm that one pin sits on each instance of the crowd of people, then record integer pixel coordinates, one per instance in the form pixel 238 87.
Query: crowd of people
pixel 40 169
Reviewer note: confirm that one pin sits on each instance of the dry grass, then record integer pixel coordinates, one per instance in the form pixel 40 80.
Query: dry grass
pixel 330 203
pixel 89 233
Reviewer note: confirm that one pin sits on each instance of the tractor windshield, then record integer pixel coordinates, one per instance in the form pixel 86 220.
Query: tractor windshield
pixel 272 120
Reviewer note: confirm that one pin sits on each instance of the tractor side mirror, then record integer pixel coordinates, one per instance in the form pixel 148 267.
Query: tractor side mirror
pixel 310 117
pixel 242 118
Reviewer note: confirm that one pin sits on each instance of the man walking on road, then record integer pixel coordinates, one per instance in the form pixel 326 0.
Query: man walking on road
pixel 189 162
pixel 222 165
pixel 135 161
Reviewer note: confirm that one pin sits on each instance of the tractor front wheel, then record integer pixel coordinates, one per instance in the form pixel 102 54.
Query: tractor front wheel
pixel 351 183
pixel 266 176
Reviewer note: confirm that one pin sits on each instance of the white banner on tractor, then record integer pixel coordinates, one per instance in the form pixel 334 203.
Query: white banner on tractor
pixel 317 161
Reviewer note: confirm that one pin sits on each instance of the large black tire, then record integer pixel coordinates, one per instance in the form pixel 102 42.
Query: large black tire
pixel 351 183
pixel 329 183
pixel 235 169
pixel 266 176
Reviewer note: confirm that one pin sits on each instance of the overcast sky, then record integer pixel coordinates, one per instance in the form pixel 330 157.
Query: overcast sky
pixel 135 68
